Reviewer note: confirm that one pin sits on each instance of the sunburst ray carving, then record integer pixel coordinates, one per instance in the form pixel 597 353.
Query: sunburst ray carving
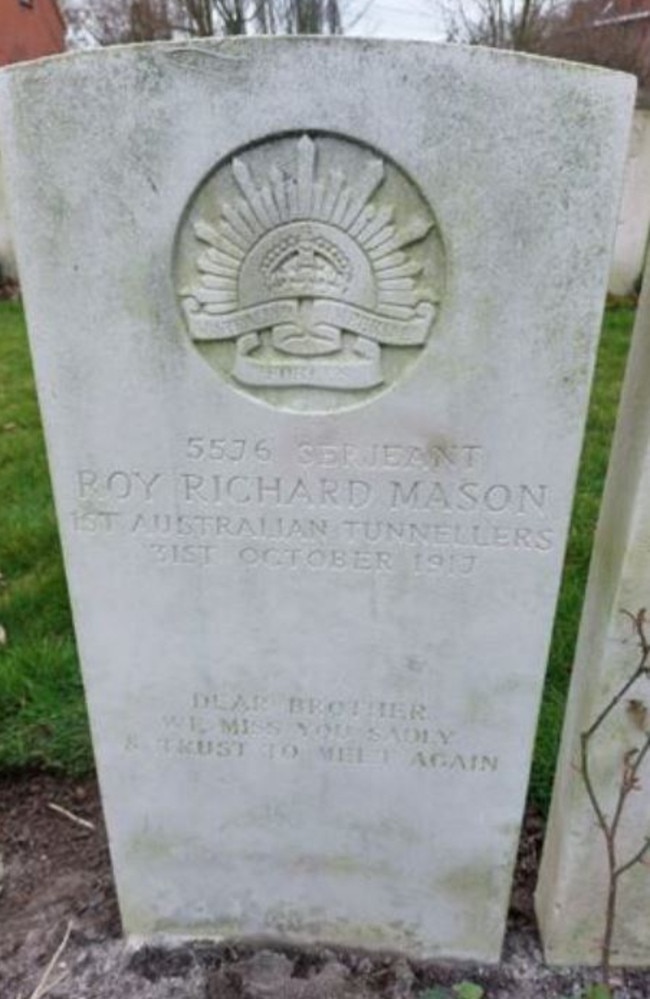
pixel 281 199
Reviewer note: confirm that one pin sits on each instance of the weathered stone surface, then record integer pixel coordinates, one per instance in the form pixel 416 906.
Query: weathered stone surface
pixel 313 323
pixel 574 878
pixel 7 260
pixel 634 216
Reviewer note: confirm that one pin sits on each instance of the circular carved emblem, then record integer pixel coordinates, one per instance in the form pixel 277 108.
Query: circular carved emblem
pixel 309 271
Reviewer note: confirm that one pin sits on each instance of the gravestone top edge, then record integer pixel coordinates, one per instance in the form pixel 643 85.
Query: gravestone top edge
pixel 212 45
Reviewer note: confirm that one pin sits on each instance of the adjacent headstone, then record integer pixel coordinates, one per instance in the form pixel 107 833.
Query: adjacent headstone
pixel 7 259
pixel 313 323
pixel 574 878
pixel 634 217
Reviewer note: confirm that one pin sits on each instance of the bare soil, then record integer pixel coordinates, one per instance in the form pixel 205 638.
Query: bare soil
pixel 55 873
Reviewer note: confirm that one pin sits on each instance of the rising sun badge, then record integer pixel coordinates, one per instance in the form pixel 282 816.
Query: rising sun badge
pixel 309 271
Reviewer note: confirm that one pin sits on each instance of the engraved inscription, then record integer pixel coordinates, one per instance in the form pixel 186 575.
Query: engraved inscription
pixel 309 263
pixel 436 511
pixel 228 726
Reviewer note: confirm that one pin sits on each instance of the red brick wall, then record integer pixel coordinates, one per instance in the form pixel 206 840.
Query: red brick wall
pixel 624 45
pixel 29 30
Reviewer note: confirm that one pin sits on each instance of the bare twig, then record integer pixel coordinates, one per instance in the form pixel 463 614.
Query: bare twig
pixel 46 984
pixel 70 815
pixel 633 760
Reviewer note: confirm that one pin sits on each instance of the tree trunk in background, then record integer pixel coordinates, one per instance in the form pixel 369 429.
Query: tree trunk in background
pixel 110 22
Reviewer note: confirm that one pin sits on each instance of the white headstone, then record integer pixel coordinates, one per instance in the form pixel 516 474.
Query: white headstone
pixel 574 880
pixel 634 217
pixel 313 323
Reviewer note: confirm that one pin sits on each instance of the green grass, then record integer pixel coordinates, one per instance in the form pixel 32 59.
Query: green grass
pixel 42 715
pixel 610 367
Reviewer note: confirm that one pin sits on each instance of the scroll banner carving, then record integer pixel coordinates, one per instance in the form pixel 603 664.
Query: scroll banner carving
pixel 362 373
pixel 391 332
pixel 363 370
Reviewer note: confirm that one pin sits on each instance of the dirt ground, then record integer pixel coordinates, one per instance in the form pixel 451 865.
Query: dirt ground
pixel 55 873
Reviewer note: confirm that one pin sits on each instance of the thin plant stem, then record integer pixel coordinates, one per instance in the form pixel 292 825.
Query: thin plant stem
pixel 632 762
